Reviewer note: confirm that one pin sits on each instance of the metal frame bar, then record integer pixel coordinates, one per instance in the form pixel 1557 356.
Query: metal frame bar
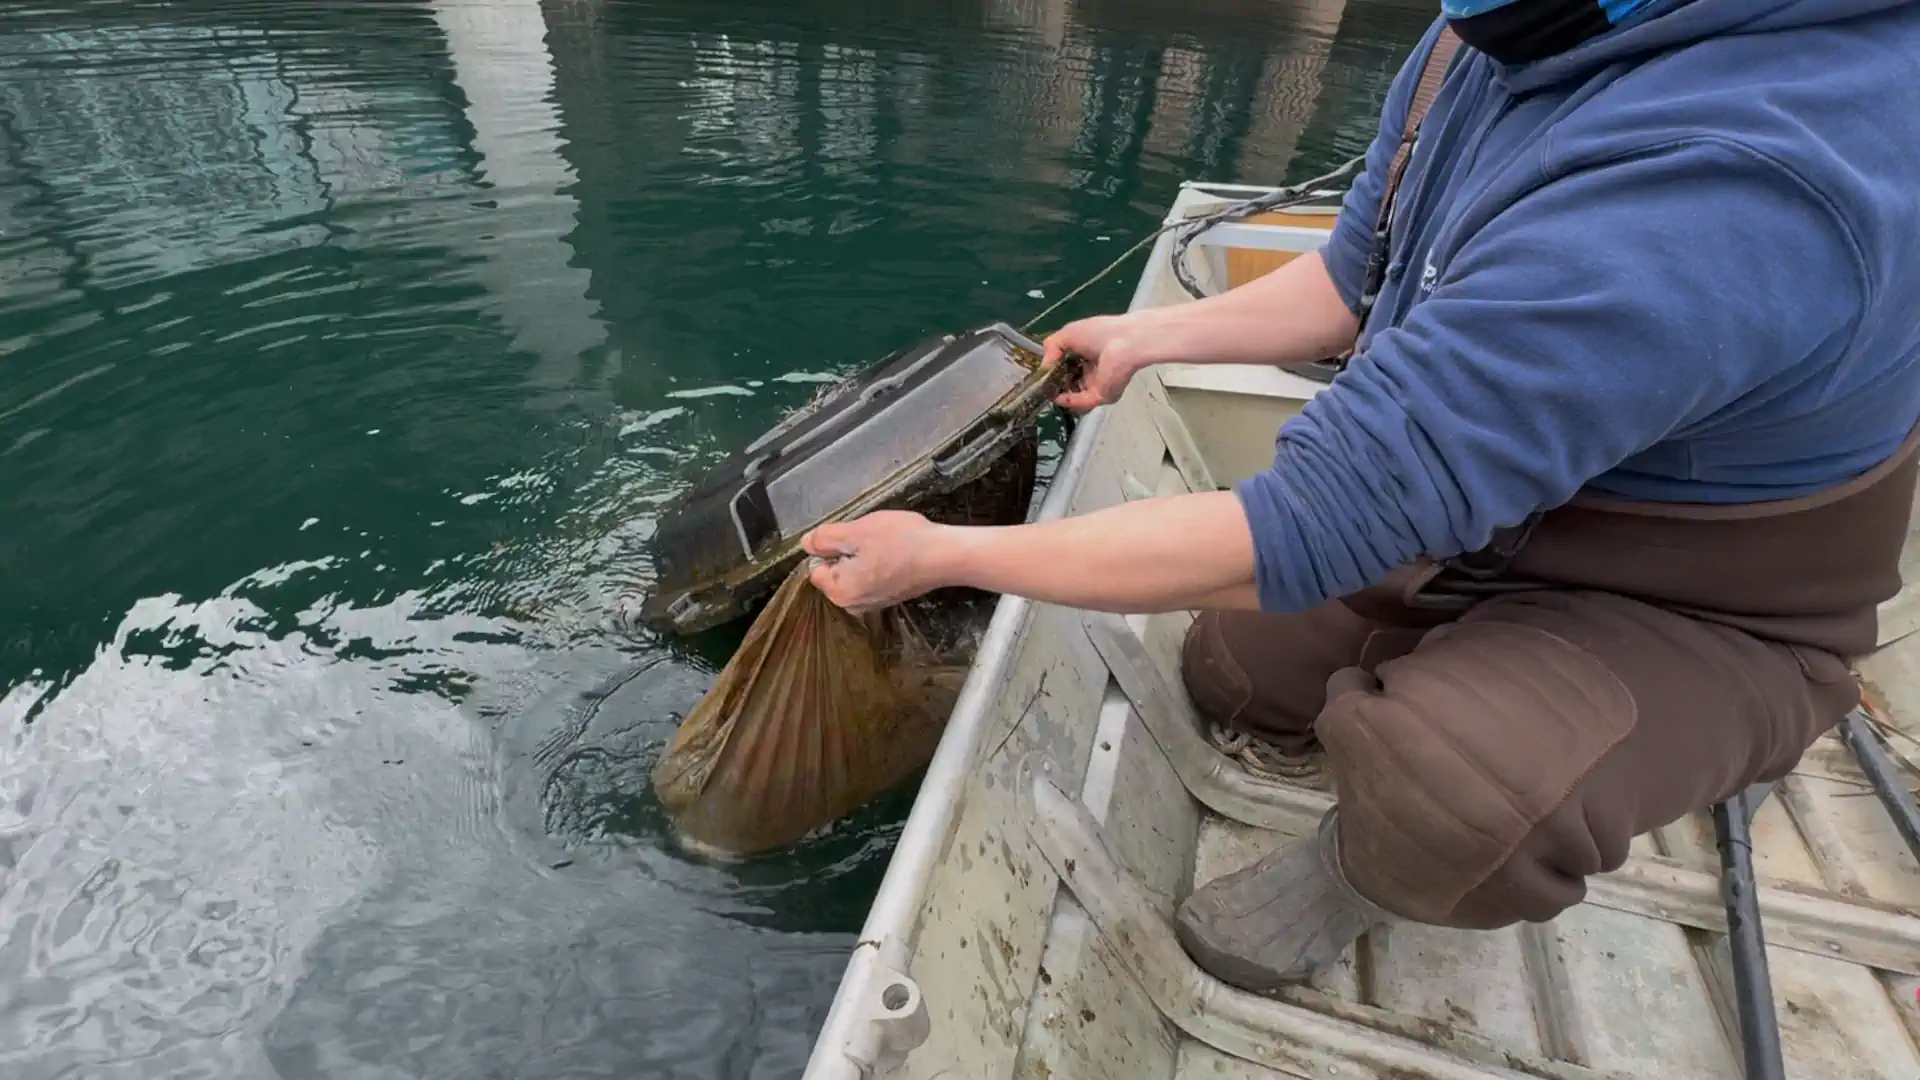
pixel 1304 1033
pixel 1746 941
pixel 1884 777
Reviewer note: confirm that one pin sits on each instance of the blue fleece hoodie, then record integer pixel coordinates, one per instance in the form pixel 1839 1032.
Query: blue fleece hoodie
pixel 1679 262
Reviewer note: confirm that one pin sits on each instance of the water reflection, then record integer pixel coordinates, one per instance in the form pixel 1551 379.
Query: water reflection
pixel 502 69
pixel 350 349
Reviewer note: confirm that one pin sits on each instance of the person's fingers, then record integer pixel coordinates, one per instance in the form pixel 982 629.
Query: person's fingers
pixel 826 579
pixel 829 541
pixel 1092 391
pixel 1077 400
pixel 1067 339
pixel 844 590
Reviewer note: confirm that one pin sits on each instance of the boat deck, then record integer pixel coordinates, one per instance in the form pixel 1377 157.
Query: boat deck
pixel 1023 927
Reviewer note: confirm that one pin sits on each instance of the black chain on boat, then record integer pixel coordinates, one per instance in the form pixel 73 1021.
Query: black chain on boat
pixel 1190 228
pixel 1300 194
pixel 1279 199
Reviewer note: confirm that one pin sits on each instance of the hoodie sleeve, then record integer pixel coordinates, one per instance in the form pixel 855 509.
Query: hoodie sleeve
pixel 1345 252
pixel 1594 317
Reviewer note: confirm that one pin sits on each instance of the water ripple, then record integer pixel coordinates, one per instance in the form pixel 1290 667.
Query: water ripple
pixel 350 351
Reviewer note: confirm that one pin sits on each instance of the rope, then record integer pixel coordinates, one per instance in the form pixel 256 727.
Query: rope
pixel 1305 191
pixel 1097 278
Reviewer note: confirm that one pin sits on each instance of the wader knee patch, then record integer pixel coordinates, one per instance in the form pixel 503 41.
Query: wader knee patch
pixel 1215 680
pixel 1466 746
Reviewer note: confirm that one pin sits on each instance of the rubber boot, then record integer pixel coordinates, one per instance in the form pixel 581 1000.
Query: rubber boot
pixel 1278 921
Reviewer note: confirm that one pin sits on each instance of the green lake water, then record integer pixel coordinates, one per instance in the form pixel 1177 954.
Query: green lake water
pixel 346 352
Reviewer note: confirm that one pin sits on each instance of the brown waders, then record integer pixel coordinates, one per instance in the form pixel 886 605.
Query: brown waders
pixel 1496 739
pixel 1500 727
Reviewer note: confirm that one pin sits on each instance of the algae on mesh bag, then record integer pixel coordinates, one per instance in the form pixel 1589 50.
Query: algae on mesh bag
pixel 818 712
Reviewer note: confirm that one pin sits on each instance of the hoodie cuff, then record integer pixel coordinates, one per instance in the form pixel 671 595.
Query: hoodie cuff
pixel 1282 574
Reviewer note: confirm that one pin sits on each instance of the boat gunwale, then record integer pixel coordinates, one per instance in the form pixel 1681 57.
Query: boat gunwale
pixel 898 924
pixel 847 1039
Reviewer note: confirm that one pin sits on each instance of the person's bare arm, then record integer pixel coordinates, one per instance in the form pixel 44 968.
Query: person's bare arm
pixel 1290 316
pixel 1166 554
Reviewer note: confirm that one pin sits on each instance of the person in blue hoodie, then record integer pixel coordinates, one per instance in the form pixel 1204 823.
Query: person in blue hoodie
pixel 1586 530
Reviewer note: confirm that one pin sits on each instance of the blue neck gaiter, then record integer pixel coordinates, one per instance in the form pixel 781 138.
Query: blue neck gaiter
pixel 1521 31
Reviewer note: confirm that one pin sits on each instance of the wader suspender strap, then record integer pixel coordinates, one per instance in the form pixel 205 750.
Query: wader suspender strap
pixel 1439 58
pixel 1489 563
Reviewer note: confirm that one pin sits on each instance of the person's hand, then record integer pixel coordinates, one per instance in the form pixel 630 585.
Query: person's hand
pixel 872 562
pixel 1112 349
